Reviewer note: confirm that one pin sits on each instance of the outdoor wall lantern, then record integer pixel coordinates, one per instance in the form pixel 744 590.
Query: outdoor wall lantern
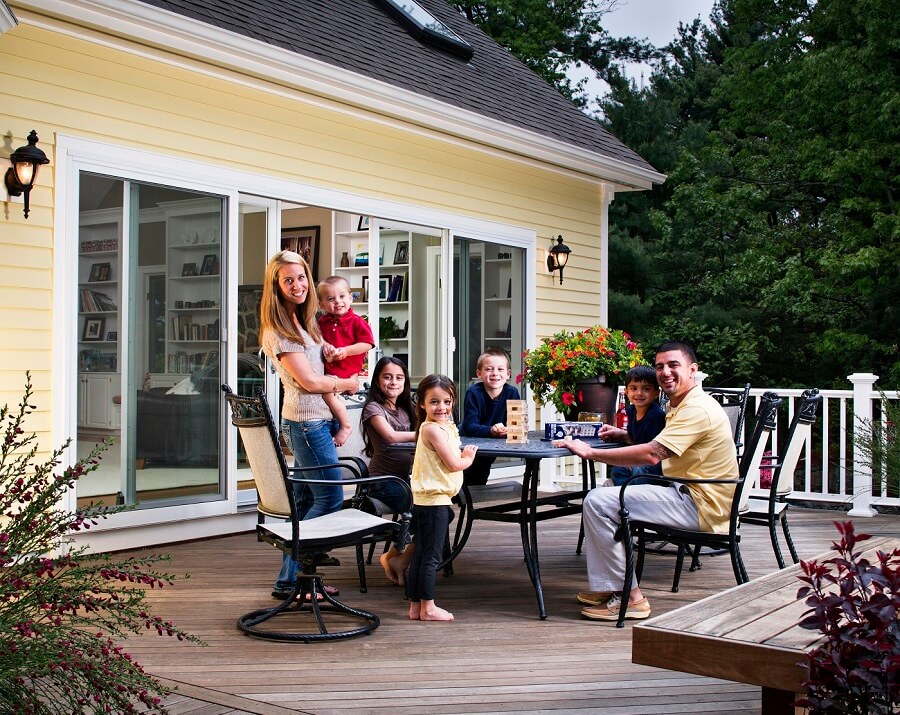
pixel 558 257
pixel 25 162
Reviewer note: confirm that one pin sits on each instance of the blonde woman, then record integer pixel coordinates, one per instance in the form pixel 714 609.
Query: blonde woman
pixel 313 412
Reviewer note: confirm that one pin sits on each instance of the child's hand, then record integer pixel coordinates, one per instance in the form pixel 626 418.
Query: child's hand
pixel 469 451
pixel 338 354
pixel 328 351
pixel 342 435
pixel 498 429
pixel 613 434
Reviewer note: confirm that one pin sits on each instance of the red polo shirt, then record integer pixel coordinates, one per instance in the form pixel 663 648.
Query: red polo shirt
pixel 343 331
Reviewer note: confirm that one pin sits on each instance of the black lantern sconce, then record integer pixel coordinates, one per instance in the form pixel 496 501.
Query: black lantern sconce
pixel 558 257
pixel 25 161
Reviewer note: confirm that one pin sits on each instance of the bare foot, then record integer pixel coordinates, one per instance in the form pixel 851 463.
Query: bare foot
pixel 429 611
pixel 385 560
pixel 414 610
pixel 400 563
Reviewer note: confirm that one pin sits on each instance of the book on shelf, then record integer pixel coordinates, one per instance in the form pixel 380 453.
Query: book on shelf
pixel 404 292
pixel 396 287
pixel 95 302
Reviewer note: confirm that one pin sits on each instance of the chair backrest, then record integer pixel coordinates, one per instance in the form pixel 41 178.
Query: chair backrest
pixel 734 402
pixel 756 446
pixel 253 419
pixel 798 434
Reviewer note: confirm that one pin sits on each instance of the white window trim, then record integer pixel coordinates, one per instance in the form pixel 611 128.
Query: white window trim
pixel 76 154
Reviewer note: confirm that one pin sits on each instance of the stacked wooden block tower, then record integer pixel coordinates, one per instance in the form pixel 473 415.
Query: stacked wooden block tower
pixel 516 422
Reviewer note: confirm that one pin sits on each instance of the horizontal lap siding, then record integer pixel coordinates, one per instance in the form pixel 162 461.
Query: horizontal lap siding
pixel 58 84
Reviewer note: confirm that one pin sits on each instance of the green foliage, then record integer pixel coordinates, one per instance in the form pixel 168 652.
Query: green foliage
pixel 62 611
pixel 777 126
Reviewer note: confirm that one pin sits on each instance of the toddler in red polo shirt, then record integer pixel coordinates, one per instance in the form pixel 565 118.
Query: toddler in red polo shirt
pixel 347 336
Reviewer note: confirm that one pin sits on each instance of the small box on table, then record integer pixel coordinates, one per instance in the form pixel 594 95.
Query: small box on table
pixel 586 430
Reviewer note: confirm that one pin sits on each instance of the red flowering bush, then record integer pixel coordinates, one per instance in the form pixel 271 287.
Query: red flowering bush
pixel 553 369
pixel 855 669
pixel 61 610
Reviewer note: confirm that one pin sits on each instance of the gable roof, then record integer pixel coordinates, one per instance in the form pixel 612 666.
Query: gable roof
pixel 360 36
pixel 354 51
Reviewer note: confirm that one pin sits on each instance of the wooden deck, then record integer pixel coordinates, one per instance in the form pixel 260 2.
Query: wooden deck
pixel 497 657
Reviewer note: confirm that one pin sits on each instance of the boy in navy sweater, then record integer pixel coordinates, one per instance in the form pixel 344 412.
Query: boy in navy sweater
pixel 484 409
pixel 646 419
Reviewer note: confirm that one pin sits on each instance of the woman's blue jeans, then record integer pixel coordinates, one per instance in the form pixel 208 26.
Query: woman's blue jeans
pixel 312 444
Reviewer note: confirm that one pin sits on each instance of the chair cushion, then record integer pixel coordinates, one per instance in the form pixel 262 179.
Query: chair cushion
pixel 346 524
pixel 760 507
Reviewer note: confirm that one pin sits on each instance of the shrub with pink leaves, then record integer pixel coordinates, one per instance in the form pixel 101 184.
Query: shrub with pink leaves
pixel 62 611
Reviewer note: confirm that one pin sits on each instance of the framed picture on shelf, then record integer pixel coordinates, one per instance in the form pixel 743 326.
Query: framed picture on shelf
pixel 93 329
pixel 365 288
pixel 210 266
pixel 189 269
pixel 401 253
pixel 112 336
pixel 364 223
pixel 305 241
pixel 356 295
pixel 99 273
pixel 384 285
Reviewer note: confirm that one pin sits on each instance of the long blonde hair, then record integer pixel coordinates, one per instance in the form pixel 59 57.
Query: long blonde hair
pixel 277 315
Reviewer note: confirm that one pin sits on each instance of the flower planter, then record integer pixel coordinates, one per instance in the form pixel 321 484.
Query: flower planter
pixel 594 394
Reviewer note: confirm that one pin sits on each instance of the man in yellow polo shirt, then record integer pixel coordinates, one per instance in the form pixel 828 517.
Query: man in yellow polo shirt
pixel 696 443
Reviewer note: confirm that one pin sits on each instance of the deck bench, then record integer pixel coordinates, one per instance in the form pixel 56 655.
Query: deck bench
pixel 747 634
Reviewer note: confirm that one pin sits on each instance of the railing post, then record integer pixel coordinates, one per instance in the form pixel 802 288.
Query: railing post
pixel 863 384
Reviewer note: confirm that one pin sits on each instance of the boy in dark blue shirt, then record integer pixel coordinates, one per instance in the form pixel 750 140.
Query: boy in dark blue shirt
pixel 646 419
pixel 484 409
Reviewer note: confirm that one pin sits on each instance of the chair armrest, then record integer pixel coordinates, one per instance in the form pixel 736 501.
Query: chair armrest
pixel 664 481
pixel 360 481
pixel 361 468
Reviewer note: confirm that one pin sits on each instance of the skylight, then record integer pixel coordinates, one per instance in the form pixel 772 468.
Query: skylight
pixel 427 28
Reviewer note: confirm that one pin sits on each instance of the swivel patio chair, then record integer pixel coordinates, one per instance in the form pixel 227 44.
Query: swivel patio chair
pixel 301 540
pixel 632 532
pixel 773 510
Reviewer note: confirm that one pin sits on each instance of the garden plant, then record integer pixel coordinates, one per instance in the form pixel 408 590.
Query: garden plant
pixel 855 668
pixel 63 612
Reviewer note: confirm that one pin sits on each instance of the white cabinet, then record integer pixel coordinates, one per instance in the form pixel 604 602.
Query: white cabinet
pixel 97 404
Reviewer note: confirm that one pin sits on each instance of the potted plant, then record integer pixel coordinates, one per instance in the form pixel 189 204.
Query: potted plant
pixel 560 369
pixel 854 668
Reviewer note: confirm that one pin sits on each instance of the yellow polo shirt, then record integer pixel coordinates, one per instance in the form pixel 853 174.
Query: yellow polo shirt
pixel 699 433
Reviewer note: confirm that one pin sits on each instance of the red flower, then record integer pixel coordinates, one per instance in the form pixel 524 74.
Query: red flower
pixel 568 399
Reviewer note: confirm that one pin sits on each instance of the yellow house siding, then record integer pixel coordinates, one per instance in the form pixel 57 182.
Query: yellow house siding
pixel 58 84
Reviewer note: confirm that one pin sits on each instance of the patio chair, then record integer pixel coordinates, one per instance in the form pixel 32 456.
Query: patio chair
pixel 633 531
pixel 734 402
pixel 301 540
pixel 773 510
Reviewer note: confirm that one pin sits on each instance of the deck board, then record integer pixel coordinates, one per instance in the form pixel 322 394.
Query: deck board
pixel 497 657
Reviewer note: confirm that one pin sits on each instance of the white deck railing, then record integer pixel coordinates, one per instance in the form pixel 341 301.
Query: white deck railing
pixel 830 471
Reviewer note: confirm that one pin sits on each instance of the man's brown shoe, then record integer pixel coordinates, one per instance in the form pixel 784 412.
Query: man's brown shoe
pixel 593 598
pixel 610 612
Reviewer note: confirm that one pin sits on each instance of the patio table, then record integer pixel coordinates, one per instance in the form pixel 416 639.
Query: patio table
pixel 529 509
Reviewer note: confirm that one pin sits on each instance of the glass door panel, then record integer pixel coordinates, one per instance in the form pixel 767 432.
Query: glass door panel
pixel 99 335
pixel 174 340
pixel 488 310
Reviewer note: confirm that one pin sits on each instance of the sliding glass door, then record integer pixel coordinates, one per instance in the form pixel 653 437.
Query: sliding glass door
pixel 150 315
